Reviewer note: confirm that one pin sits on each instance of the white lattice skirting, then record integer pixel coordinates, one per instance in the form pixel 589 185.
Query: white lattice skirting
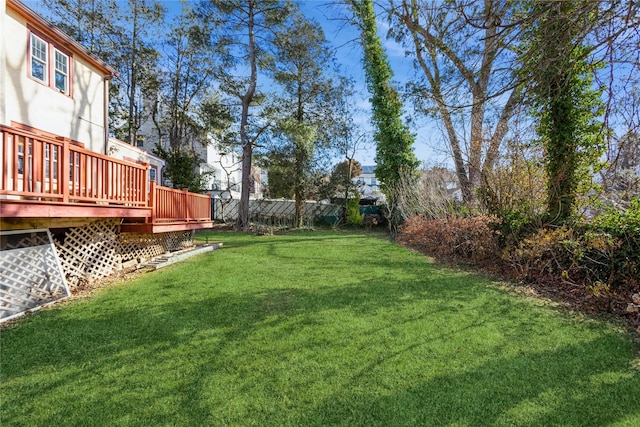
pixel 30 274
pixel 90 252
pixel 34 270
pixel 97 250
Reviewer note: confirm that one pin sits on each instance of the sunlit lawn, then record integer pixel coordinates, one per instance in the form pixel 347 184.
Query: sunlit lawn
pixel 315 328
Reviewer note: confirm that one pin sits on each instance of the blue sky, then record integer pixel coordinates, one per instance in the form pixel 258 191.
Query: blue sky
pixel 345 39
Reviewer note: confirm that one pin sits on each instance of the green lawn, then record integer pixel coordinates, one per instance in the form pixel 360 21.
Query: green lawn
pixel 314 328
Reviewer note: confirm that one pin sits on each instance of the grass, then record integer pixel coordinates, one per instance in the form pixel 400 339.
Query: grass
pixel 314 328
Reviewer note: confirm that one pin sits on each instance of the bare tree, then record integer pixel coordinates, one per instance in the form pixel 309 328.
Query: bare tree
pixel 462 49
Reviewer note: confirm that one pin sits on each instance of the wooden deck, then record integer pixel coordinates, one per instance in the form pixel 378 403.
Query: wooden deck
pixel 46 180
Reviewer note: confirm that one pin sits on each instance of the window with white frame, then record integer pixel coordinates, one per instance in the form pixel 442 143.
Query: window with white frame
pixel 51 160
pixel 61 71
pixel 39 60
pixel 48 64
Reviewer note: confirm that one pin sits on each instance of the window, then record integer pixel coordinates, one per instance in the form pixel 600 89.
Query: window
pixel 152 174
pixel 49 65
pixel 38 58
pixel 61 71
pixel 21 157
pixel 74 170
pixel 25 161
pixel 47 147
pixel 55 162
pixel 48 151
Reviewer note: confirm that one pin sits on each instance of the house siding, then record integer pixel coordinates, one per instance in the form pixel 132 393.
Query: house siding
pixel 91 201
pixel 79 116
pixel 124 151
pixel 3 64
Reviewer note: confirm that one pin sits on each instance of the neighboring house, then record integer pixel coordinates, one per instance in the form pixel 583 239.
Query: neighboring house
pixel 225 173
pixel 222 166
pixel 368 184
pixel 62 176
pixel 223 169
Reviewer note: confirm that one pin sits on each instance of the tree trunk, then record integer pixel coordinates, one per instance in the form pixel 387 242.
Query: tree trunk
pixel 436 91
pixel 299 188
pixel 475 150
pixel 133 83
pixel 242 222
pixel 562 157
pixel 502 127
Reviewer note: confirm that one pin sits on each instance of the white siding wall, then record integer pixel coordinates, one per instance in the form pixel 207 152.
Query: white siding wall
pixel 79 117
pixel 123 151
pixel 217 163
pixel 3 64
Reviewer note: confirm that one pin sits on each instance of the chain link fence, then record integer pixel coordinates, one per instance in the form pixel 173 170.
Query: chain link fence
pixel 276 213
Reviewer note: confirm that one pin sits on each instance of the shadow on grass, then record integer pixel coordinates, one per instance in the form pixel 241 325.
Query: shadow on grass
pixel 521 390
pixel 374 351
pixel 108 329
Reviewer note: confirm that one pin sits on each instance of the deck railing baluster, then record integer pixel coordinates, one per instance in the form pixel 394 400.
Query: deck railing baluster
pixel 42 169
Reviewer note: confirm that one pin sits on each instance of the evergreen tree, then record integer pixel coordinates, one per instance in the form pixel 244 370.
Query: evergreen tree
pixel 247 28
pixel 305 111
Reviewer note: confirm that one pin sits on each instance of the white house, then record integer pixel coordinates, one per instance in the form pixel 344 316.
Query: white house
pixel 224 168
pixel 368 183
pixel 44 73
pixel 74 205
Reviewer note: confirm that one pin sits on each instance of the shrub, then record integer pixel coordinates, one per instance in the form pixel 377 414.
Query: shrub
pixel 545 253
pixel 354 217
pixel 623 227
pixel 469 239
pixel 598 256
pixel 581 257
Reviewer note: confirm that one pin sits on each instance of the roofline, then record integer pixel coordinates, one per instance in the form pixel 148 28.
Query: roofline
pixel 47 27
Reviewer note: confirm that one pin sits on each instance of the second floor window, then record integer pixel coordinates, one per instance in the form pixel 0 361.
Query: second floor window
pixel 39 58
pixel 61 71
pixel 49 65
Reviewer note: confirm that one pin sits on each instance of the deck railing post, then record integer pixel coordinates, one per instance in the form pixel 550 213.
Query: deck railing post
pixel 152 200
pixel 4 181
pixel 185 204
pixel 145 183
pixel 66 170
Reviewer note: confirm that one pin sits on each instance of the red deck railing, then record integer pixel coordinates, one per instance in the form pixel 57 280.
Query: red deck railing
pixel 47 170
pixel 179 205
